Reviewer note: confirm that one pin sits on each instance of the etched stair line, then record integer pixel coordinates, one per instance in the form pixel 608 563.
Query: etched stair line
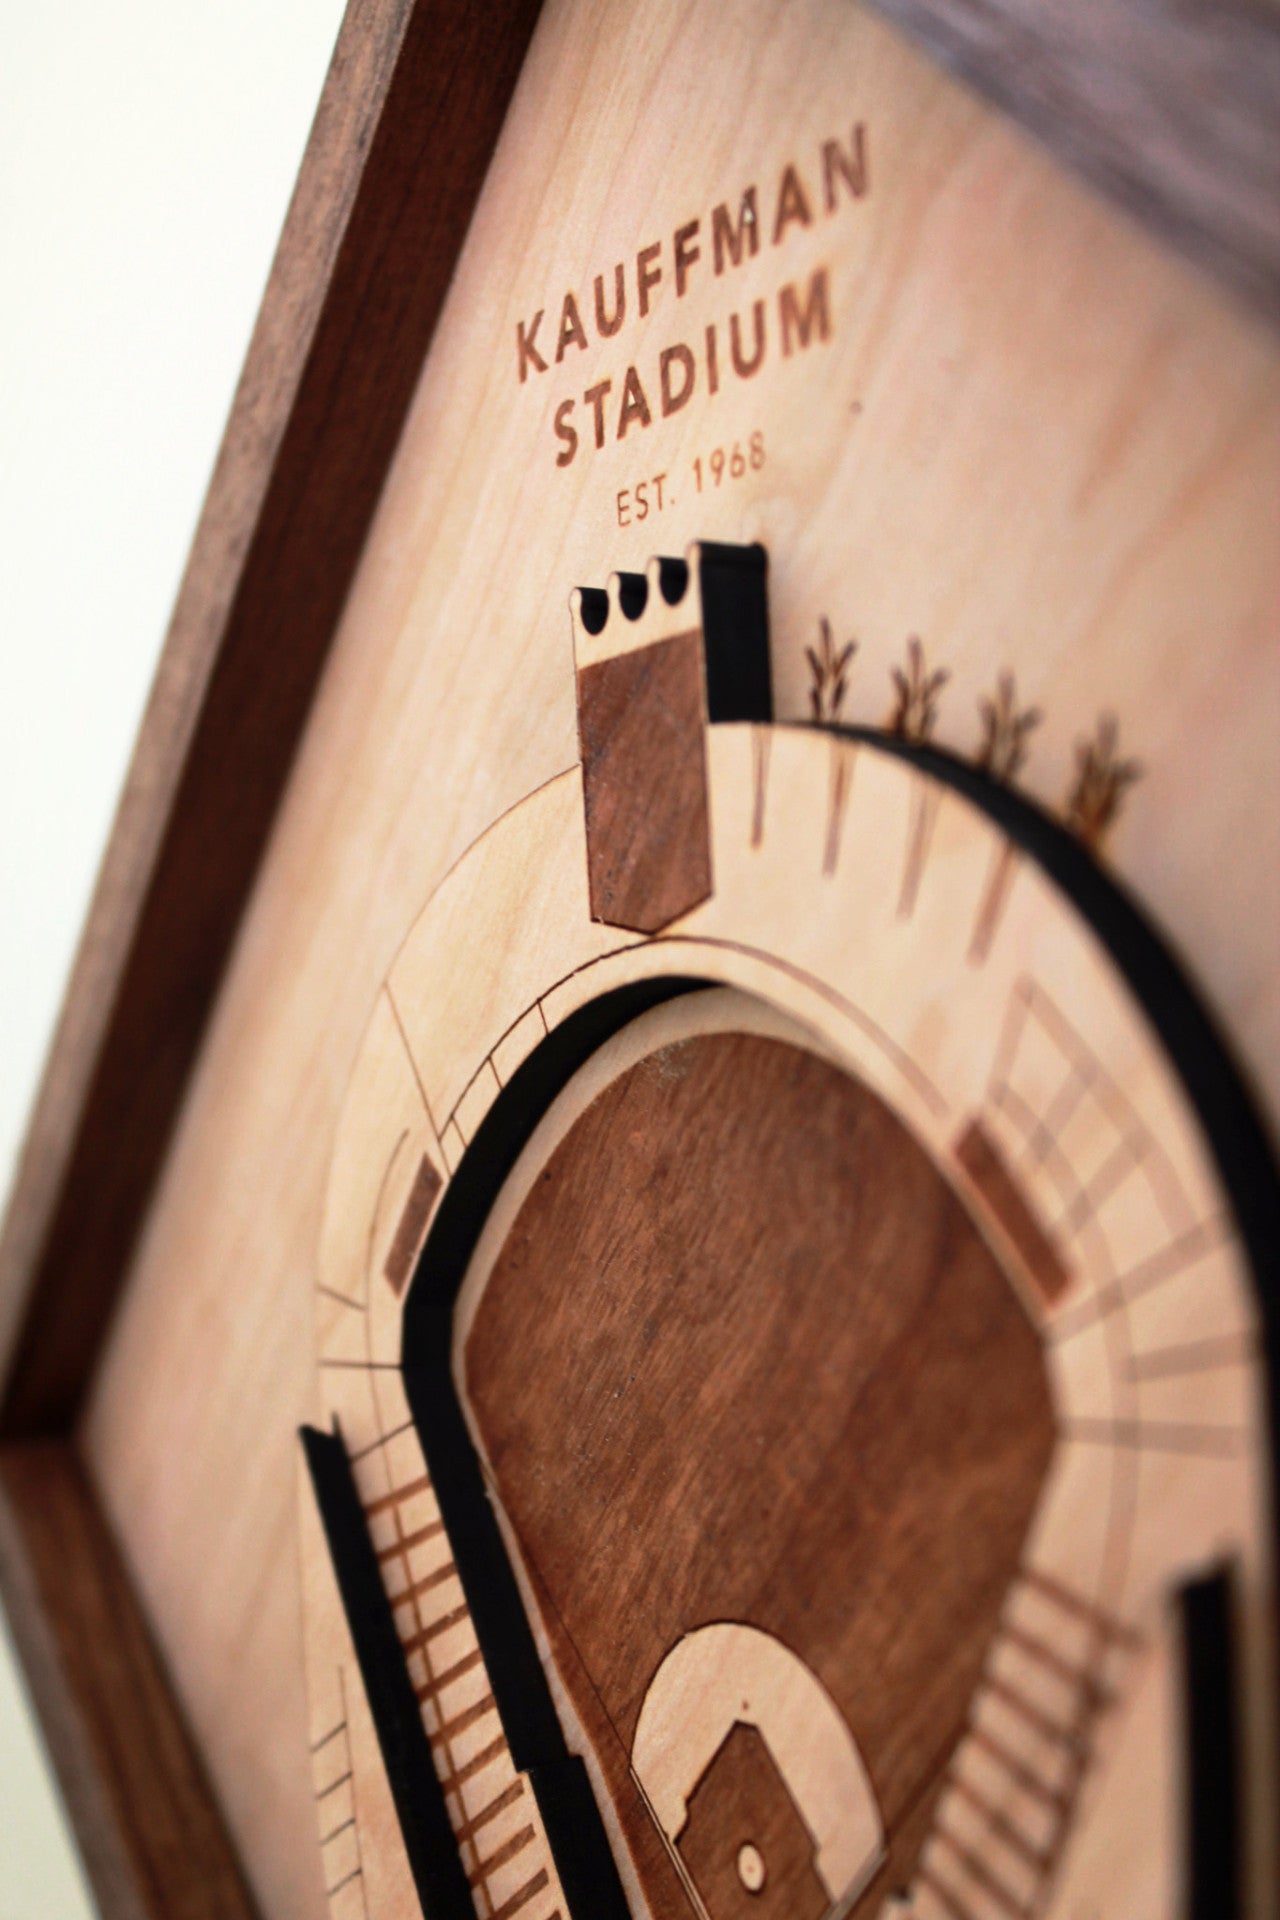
pixel 426 1609
pixel 332 1827
pixel 1069 1733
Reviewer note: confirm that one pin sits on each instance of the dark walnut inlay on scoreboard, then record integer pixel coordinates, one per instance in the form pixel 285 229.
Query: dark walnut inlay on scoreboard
pixel 749 1381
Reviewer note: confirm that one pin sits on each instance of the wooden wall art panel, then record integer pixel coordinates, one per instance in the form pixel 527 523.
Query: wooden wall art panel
pixel 660 1244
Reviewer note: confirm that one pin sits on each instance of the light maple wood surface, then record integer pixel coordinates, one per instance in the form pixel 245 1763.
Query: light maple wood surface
pixel 1032 439
pixel 1151 1358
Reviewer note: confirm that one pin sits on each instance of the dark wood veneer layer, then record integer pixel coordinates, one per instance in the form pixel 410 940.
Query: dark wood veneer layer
pixel 723 1370
pixel 150 1836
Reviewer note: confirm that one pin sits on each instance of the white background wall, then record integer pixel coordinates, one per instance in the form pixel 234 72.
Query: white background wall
pixel 147 152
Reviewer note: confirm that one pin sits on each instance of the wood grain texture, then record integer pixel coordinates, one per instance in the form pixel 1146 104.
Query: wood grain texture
pixel 640 720
pixel 724 1370
pixel 413 1224
pixel 1034 1718
pixel 152 1843
pixel 1175 115
pixel 743 1801
pixel 1033 438
pixel 1171 109
pixel 405 129
pixel 980 1159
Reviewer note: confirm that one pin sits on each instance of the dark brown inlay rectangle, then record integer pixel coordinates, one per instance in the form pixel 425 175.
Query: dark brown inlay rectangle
pixel 413 1224
pixel 641 721
pixel 981 1160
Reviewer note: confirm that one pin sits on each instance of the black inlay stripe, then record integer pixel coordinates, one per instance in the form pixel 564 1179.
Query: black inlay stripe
pixel 560 1782
pixel 1212 1761
pixel 406 1752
